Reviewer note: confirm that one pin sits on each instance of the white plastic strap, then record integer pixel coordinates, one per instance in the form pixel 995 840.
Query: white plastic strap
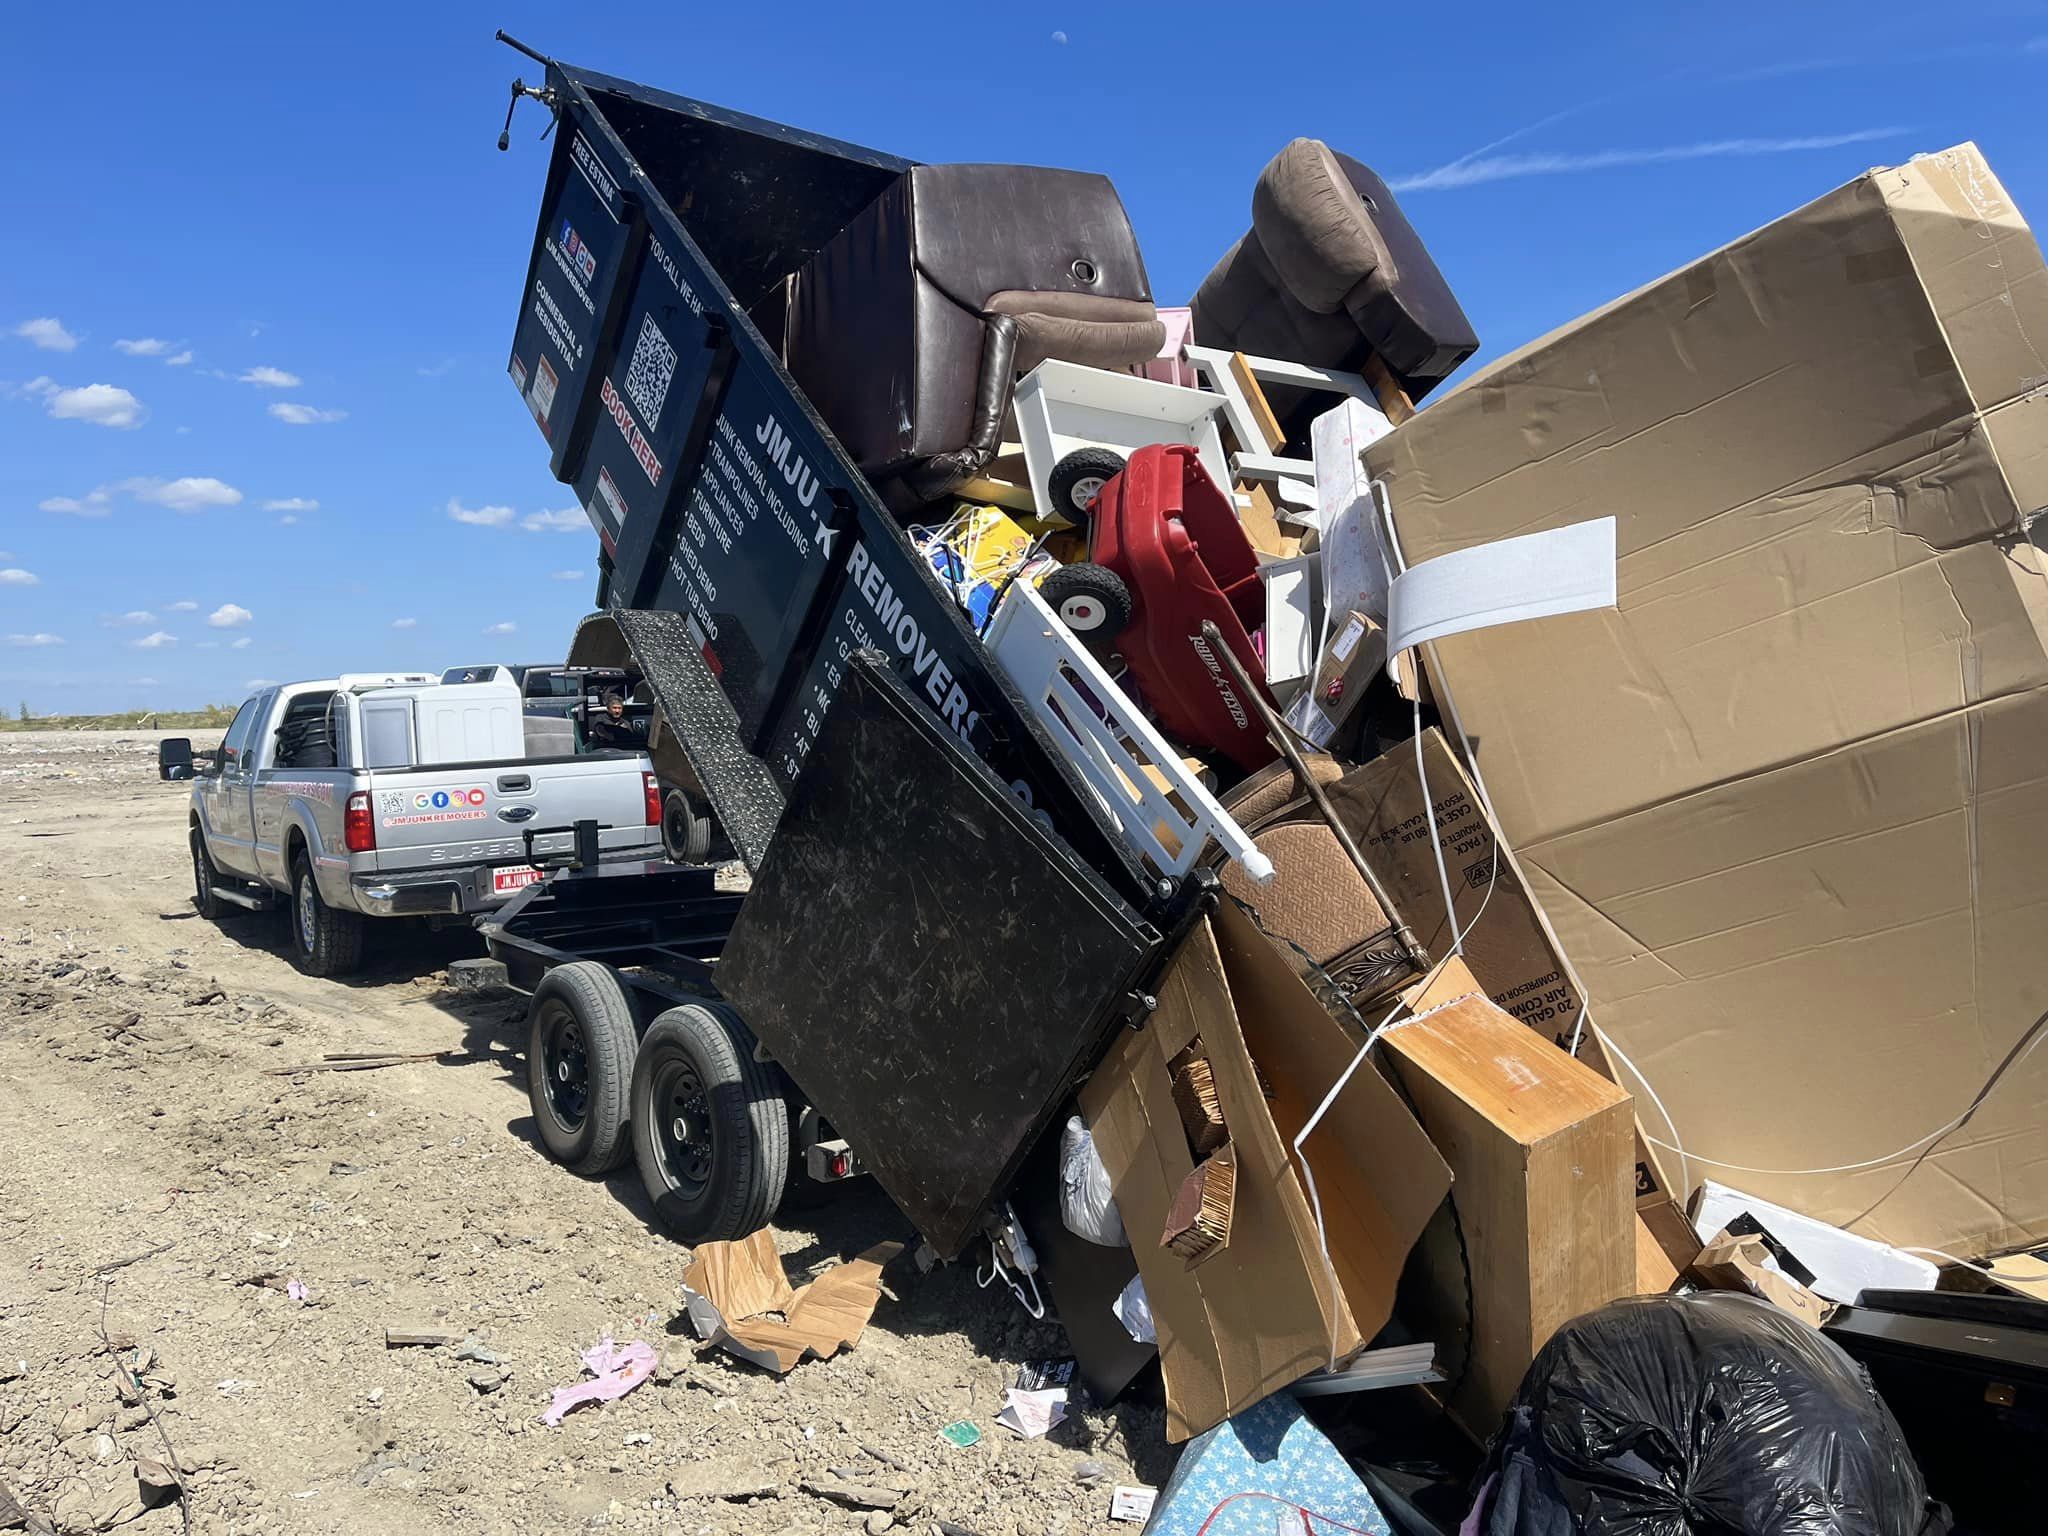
pixel 1561 570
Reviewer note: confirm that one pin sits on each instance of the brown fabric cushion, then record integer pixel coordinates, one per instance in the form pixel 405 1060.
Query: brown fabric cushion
pixel 1314 227
pixel 1087 328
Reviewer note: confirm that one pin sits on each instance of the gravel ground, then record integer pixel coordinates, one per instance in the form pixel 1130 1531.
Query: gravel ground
pixel 140 1115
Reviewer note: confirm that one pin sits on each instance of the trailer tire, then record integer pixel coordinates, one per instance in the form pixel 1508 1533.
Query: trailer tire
pixel 1091 600
pixel 1078 478
pixel 685 829
pixel 203 877
pixel 325 942
pixel 710 1125
pixel 581 1043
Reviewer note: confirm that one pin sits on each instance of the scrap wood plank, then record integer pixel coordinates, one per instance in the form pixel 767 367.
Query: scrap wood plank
pixel 364 1062
pixel 1259 411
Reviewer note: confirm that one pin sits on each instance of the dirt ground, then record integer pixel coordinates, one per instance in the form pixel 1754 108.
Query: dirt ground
pixel 141 1113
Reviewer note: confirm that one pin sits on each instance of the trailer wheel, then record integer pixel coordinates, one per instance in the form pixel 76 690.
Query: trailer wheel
pixel 203 877
pixel 1078 478
pixel 325 942
pixel 710 1126
pixel 1091 600
pixel 685 830
pixel 580 1047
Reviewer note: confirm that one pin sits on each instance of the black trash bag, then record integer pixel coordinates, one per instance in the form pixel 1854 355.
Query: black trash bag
pixel 1705 1415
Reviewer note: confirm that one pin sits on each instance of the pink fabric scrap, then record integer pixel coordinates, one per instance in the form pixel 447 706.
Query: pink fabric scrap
pixel 619 1368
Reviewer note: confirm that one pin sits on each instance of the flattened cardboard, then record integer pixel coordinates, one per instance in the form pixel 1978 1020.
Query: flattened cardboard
pixel 1731 1263
pixel 1786 806
pixel 1264 1311
pixel 740 1285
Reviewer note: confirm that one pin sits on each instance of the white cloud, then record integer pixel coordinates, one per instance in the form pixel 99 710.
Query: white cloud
pixel 181 607
pixel 568 520
pixel 479 517
pixel 291 412
pixel 287 520
pixel 142 346
pixel 183 359
pixel 143 682
pixel 506 628
pixel 38 638
pixel 104 405
pixel 260 682
pixel 1060 38
pixel 292 504
pixel 188 493
pixel 229 616
pixel 435 370
pixel 48 333
pixel 93 504
pixel 405 623
pixel 568 575
pixel 15 576
pixel 271 378
pixel 133 617
pixel 1473 170
pixel 155 640
pixel 240 645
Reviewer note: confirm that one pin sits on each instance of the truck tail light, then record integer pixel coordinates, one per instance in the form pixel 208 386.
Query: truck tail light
pixel 653 788
pixel 358 828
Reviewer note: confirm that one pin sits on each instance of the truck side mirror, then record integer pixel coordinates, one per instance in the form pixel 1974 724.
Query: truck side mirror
pixel 174 758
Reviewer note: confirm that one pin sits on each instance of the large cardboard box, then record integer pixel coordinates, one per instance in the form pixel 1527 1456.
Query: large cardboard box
pixel 1786 805
pixel 1269 1307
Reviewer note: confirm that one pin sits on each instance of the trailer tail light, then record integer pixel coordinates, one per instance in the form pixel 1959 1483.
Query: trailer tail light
pixel 652 786
pixel 841 1164
pixel 358 828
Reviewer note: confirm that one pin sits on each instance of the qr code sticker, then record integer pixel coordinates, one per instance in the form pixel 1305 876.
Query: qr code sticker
pixel 648 375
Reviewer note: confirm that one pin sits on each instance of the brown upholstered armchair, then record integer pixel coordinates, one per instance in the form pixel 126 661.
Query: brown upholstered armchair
pixel 909 327
pixel 1331 274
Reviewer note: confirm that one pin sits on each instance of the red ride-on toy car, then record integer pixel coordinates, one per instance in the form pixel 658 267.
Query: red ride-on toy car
pixel 1172 540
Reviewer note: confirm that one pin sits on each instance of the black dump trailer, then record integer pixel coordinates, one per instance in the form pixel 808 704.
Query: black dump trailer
pixel 943 927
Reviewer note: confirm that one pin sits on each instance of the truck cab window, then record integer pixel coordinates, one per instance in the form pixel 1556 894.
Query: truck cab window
pixel 234 746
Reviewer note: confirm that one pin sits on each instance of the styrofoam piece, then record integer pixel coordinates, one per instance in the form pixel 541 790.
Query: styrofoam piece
pixel 1052 670
pixel 1842 1263
pixel 1293 621
pixel 1535 576
pixel 1296 495
pixel 1063 406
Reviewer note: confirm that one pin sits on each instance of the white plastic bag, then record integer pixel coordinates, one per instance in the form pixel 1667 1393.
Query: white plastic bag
pixel 1135 1312
pixel 1086 1205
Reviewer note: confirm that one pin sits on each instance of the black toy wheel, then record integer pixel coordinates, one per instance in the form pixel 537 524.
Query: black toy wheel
pixel 1078 478
pixel 685 829
pixel 580 1048
pixel 710 1125
pixel 1091 600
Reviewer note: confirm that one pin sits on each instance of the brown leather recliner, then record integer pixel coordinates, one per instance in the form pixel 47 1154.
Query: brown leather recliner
pixel 908 329
pixel 1331 273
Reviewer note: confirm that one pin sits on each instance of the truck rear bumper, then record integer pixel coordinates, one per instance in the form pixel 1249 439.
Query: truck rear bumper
pixel 451 892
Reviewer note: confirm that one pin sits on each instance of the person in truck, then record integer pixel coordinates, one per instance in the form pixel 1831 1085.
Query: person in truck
pixel 613 729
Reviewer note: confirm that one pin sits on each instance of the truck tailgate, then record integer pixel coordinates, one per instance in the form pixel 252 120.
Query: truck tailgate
pixel 457 816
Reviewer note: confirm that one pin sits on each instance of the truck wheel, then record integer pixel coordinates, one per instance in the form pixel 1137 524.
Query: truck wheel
pixel 203 877
pixel 710 1125
pixel 1078 478
pixel 685 830
pixel 325 942
pixel 580 1046
pixel 1091 600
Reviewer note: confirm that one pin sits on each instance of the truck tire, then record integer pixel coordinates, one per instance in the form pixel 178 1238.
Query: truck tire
pixel 580 1046
pixel 325 942
pixel 1077 479
pixel 204 875
pixel 685 829
pixel 710 1125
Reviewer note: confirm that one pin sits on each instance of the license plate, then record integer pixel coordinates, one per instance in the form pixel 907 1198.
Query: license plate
pixel 517 878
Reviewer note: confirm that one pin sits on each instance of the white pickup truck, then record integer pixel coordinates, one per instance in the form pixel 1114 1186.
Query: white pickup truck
pixel 396 796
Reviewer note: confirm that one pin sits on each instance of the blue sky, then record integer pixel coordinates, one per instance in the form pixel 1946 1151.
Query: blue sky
pixel 260 282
